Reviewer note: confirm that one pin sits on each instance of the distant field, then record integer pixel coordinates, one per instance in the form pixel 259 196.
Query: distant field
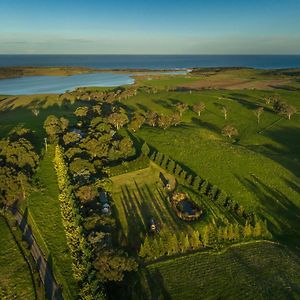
pixel 254 271
pixel 44 208
pixel 15 278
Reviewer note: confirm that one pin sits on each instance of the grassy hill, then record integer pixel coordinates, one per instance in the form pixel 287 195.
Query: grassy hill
pixel 260 169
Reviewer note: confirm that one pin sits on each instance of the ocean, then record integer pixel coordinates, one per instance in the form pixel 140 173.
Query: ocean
pixel 153 61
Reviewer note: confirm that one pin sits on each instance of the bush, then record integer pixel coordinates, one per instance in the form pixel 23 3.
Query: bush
pixel 141 162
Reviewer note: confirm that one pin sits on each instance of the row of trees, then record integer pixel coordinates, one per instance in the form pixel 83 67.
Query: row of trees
pixel 81 253
pixel 198 184
pixel 166 243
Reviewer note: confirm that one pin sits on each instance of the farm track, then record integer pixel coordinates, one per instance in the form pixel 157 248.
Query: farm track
pixel 52 289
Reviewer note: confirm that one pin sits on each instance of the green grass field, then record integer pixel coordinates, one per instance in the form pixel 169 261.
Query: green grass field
pixel 15 278
pixel 44 209
pixel 253 271
pixel 139 196
pixel 260 170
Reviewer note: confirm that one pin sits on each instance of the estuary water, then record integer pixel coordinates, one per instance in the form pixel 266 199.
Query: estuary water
pixel 174 63
pixel 29 85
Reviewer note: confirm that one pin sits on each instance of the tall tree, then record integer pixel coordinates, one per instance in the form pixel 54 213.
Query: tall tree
pixel 224 109
pixel 258 112
pixel 181 107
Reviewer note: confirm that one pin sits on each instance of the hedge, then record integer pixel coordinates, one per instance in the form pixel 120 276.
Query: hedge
pixel 139 163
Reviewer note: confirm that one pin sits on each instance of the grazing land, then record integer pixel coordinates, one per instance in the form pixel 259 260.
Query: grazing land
pixel 140 196
pixel 15 278
pixel 235 161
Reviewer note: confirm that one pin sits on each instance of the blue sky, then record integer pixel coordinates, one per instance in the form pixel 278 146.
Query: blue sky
pixel 150 27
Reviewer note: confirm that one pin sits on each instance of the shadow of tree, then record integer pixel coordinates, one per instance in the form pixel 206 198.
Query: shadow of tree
pixel 206 125
pixel 282 214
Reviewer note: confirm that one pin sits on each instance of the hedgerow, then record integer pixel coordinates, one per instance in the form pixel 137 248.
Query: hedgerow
pixel 90 287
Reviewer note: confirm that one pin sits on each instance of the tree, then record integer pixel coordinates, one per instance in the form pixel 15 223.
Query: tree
pixel 137 122
pixel 112 264
pixel 257 230
pixel 82 167
pixel 71 138
pixel 199 108
pixel 176 119
pixel 20 154
pixel 86 193
pixel 205 235
pixel 247 231
pixel 230 131
pixel 151 118
pixel 284 108
pixel 225 111
pixel 194 239
pixel 118 119
pixel 164 121
pixel 81 111
pixel 258 112
pixel 126 146
pixel 52 126
pixel 145 251
pixel 174 247
pixel 181 107
pixel 64 123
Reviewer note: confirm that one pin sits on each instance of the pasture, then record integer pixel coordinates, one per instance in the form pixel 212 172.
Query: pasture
pixel 260 169
pixel 138 197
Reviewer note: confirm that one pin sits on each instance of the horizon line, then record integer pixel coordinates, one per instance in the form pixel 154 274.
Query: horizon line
pixel 139 54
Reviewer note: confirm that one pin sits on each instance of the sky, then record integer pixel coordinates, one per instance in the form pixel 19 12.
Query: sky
pixel 150 27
